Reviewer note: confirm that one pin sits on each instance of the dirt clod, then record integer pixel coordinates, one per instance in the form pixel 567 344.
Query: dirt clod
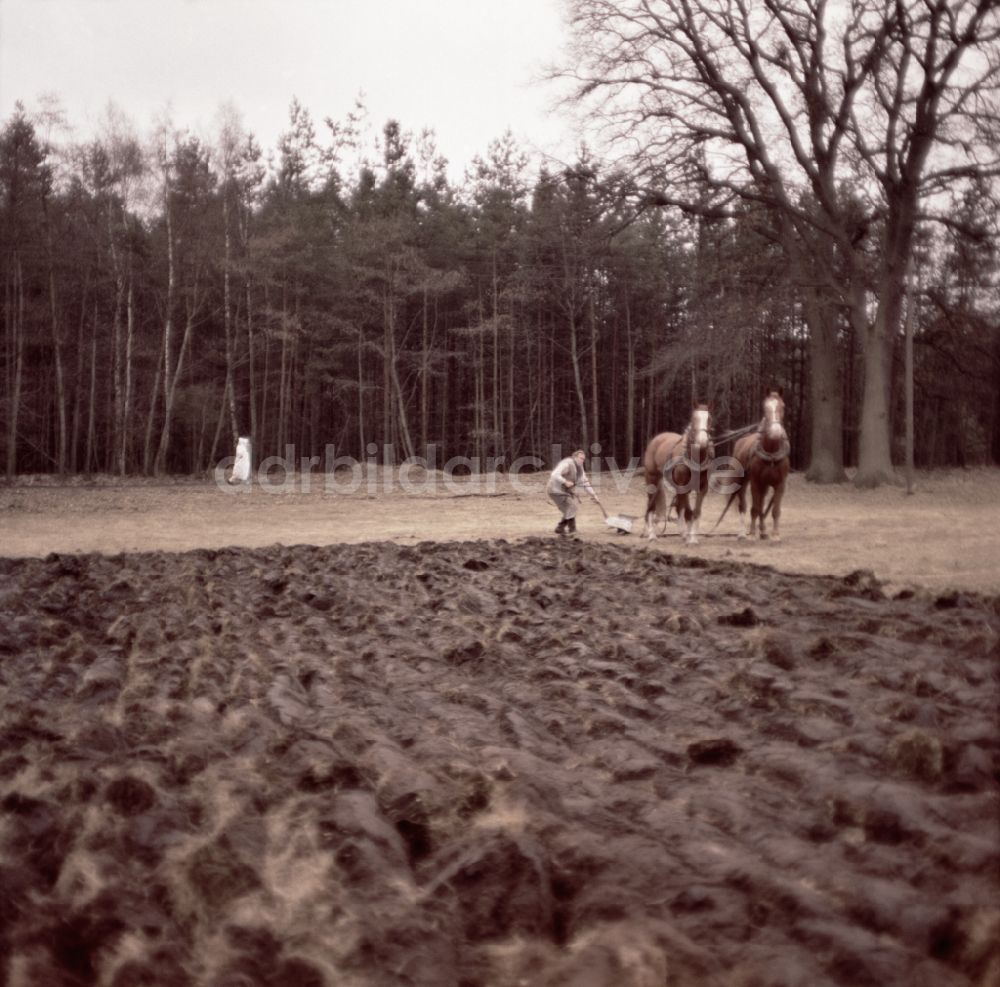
pixel 486 763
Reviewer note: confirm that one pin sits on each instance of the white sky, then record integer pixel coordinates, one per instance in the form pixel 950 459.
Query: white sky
pixel 465 68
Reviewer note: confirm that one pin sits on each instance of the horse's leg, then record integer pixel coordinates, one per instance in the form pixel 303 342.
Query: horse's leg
pixel 653 491
pixel 650 506
pixel 696 519
pixel 683 516
pixel 741 504
pixel 779 492
pixel 650 492
pixel 756 508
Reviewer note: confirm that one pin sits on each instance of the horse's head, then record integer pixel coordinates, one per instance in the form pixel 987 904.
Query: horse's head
pixel 774 436
pixel 700 429
pixel 774 407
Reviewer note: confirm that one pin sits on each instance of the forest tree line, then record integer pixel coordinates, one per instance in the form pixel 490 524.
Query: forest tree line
pixel 167 293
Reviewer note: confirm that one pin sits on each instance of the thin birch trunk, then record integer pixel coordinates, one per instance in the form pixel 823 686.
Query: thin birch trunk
pixel 615 389
pixel 16 335
pixel 251 364
pixel 220 421
pixel 388 340
pixel 168 328
pixel 92 403
pixel 279 436
pixel 512 443
pixel 117 409
pixel 170 386
pixel 147 449
pixel 595 415
pixel 227 319
pixel 424 375
pixel 78 389
pixel 127 396
pixel 480 395
pixel 60 378
pixel 263 397
pixel 362 445
pixel 630 386
pixel 57 352
pixel 496 424
pixel 908 382
pixel 574 352
pixel 443 396
pixel 404 427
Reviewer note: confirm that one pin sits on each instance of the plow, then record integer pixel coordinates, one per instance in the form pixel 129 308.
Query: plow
pixel 622 523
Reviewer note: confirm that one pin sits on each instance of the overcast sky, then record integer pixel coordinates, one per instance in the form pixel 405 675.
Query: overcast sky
pixel 462 67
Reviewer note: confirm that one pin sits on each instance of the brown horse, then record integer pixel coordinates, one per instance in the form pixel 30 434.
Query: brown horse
pixel 763 460
pixel 679 463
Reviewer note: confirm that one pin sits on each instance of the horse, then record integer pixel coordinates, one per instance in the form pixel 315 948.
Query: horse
pixel 680 462
pixel 763 460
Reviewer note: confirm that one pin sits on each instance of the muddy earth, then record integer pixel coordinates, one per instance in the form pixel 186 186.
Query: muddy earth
pixel 488 764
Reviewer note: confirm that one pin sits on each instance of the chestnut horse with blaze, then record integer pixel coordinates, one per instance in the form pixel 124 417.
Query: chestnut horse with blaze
pixel 763 456
pixel 679 463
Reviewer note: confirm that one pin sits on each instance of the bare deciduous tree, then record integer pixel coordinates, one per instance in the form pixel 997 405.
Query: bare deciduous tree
pixel 811 109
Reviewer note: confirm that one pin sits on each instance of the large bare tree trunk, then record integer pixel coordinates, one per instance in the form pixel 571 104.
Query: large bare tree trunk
pixel 874 448
pixel 995 440
pixel 826 447
pixel 826 457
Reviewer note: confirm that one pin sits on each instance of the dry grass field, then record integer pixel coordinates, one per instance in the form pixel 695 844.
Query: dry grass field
pixel 946 535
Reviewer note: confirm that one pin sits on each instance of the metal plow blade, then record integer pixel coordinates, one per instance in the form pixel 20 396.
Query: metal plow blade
pixel 621 523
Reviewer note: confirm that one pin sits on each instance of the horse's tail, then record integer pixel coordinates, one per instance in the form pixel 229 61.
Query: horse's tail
pixel 729 502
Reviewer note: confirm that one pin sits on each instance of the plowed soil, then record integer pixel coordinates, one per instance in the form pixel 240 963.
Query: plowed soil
pixel 490 762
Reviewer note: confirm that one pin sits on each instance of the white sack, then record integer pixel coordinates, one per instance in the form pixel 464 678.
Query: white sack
pixel 241 468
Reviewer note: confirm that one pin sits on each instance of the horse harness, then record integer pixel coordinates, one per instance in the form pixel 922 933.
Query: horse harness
pixel 772 457
pixel 686 457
